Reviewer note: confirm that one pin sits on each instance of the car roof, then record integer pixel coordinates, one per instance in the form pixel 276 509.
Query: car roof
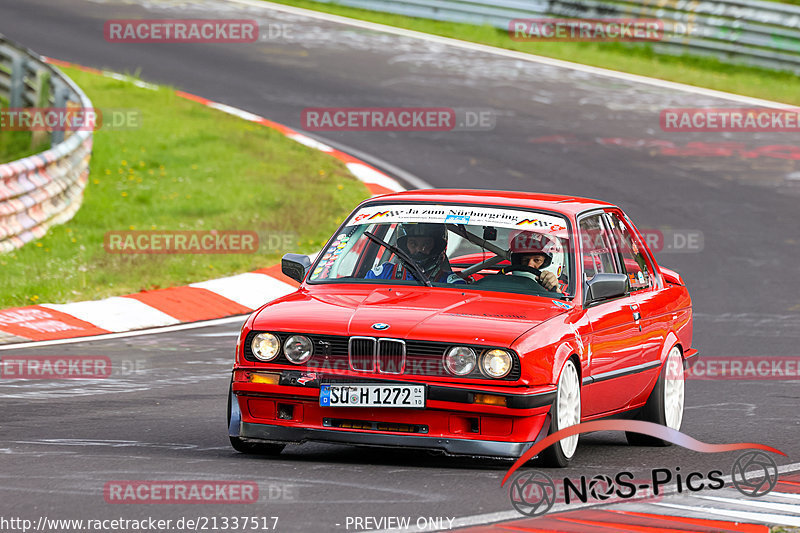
pixel 572 205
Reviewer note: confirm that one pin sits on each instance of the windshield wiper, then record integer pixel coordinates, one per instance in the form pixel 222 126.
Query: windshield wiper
pixel 415 269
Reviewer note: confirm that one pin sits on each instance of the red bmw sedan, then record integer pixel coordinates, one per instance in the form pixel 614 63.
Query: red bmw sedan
pixel 468 322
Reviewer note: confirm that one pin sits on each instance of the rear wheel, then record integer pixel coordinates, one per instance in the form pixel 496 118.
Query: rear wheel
pixel 566 411
pixel 665 404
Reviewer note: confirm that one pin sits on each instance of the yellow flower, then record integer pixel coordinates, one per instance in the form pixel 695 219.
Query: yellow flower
pixel 124 194
pixel 340 187
pixel 153 226
pixel 39 244
pixel 151 171
pixel 124 163
pixel 74 239
pixel 34 298
pixel 121 171
pixel 108 172
pixel 141 163
pixel 194 167
pixel 211 266
pixel 160 167
pixel 188 196
pixel 321 172
pixel 131 227
pixel 95 181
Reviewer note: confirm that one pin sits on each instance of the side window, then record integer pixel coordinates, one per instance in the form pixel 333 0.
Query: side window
pixel 633 260
pixel 597 255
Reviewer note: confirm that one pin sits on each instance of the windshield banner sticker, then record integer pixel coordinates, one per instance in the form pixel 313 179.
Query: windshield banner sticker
pixel 448 214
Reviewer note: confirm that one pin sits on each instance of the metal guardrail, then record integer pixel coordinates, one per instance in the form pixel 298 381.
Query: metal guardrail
pixel 753 32
pixel 45 189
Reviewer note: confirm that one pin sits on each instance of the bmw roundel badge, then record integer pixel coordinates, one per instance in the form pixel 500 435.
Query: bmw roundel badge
pixel 380 326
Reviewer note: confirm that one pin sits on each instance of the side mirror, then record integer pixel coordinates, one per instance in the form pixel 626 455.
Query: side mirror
pixel 295 266
pixel 605 286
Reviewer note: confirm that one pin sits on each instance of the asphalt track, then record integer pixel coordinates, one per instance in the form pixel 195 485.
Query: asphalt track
pixel 61 442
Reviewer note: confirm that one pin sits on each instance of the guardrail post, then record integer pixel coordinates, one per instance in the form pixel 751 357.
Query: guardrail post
pixel 17 85
pixel 59 102
pixel 41 98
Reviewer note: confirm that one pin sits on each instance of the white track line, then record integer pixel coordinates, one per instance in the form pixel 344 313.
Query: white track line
pixel 763 518
pixel 794 509
pixel 522 56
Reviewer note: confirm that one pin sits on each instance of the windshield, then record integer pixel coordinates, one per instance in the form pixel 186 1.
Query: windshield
pixel 453 246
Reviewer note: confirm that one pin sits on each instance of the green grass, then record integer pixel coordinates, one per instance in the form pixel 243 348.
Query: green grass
pixel 187 168
pixel 636 59
pixel 18 144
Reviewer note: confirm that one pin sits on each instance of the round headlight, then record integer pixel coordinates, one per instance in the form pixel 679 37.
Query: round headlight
pixel 496 363
pixel 265 346
pixel 298 349
pixel 460 360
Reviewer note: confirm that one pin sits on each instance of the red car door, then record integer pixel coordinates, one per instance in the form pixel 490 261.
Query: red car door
pixel 614 353
pixel 654 315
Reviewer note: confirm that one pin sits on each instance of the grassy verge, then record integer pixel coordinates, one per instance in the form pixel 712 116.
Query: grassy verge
pixel 17 144
pixel 187 167
pixel 701 72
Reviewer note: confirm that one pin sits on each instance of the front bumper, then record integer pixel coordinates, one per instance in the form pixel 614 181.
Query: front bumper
pixel 451 446
pixel 452 422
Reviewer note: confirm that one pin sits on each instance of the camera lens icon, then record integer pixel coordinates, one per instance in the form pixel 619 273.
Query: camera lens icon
pixel 532 493
pixel 754 474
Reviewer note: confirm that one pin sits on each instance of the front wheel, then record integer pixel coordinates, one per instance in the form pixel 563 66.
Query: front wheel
pixel 566 411
pixel 665 404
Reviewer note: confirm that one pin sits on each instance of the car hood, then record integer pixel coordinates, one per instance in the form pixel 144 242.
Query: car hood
pixel 450 315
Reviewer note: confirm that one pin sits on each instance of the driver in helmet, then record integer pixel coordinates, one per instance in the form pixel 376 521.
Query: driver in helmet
pixel 534 250
pixel 426 244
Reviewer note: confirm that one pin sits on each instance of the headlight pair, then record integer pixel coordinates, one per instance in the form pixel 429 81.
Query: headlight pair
pixel 462 360
pixel 297 348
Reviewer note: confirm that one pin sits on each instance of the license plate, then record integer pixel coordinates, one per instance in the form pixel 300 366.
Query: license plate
pixel 360 395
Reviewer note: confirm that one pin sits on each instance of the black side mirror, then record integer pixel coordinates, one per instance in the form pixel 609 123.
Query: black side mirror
pixel 605 286
pixel 295 266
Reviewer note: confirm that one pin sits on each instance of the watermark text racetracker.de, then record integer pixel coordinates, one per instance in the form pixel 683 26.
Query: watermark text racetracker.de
pixel 756 119
pixel 431 119
pixel 745 368
pixel 196 242
pixel 193 31
pixel 68 367
pixel 553 29
pixel 71 119
pixel 9 524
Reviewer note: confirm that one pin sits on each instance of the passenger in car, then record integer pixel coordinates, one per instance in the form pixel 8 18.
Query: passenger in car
pixel 426 244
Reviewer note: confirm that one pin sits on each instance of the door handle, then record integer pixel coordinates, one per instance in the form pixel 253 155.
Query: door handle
pixel 637 315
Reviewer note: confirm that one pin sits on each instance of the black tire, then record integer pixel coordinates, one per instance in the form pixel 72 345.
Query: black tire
pixel 554 456
pixel 654 410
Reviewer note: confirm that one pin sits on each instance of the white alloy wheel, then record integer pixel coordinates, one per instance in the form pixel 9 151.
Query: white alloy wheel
pixel 674 389
pixel 569 406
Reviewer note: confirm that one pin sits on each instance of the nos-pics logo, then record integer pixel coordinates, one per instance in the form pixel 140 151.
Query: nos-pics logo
pixel 534 493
